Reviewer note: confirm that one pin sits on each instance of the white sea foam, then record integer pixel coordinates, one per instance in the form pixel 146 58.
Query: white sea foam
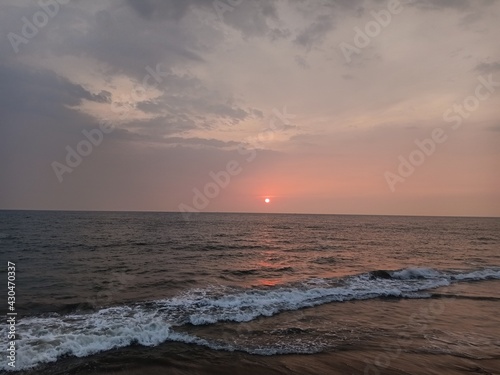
pixel 478 275
pixel 248 305
pixel 45 339
pixel 415 273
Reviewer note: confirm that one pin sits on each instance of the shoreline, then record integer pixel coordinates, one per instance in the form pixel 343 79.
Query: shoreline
pixel 188 359
pixel 408 336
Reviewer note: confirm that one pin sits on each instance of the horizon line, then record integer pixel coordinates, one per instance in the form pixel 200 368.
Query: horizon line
pixel 247 213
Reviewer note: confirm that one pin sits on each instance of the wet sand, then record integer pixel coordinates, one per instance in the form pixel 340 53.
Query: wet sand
pixel 184 359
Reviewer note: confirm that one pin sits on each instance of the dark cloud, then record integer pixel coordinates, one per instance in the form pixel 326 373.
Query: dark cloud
pixel 126 45
pixel 227 111
pixel 314 32
pixel 200 142
pixel 190 104
pixel 494 128
pixel 459 5
pixel 343 4
pixel 277 34
pixel 487 68
pixel 251 18
pixel 302 62
pixel 25 89
pixel 442 4
pixel 160 126
pixel 156 132
pixel 130 44
pixel 470 19
pixel 165 9
pixel 248 17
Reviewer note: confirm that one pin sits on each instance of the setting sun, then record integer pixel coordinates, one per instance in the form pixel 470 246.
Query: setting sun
pixel 267 200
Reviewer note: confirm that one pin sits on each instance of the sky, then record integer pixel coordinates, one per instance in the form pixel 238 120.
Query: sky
pixel 321 106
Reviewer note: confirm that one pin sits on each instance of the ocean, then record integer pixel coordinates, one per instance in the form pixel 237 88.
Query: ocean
pixel 131 292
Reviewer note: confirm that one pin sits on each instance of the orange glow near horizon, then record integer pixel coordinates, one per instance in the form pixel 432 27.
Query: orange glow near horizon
pixel 269 282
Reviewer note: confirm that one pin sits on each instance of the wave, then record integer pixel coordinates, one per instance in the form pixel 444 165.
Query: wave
pixel 325 260
pixel 260 271
pixel 241 272
pixel 47 338
pixel 7 236
pixel 477 275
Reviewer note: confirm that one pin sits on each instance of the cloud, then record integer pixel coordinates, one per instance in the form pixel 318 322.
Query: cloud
pixel 255 19
pixel 494 128
pixel 314 32
pixel 248 17
pixel 195 141
pixel 164 9
pixel 302 62
pixel 442 4
pixel 487 68
pixel 28 90
pixel 458 5
pixel 108 43
pixel 157 133
pixel 351 5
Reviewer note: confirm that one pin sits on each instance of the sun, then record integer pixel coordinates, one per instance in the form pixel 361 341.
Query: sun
pixel 267 200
